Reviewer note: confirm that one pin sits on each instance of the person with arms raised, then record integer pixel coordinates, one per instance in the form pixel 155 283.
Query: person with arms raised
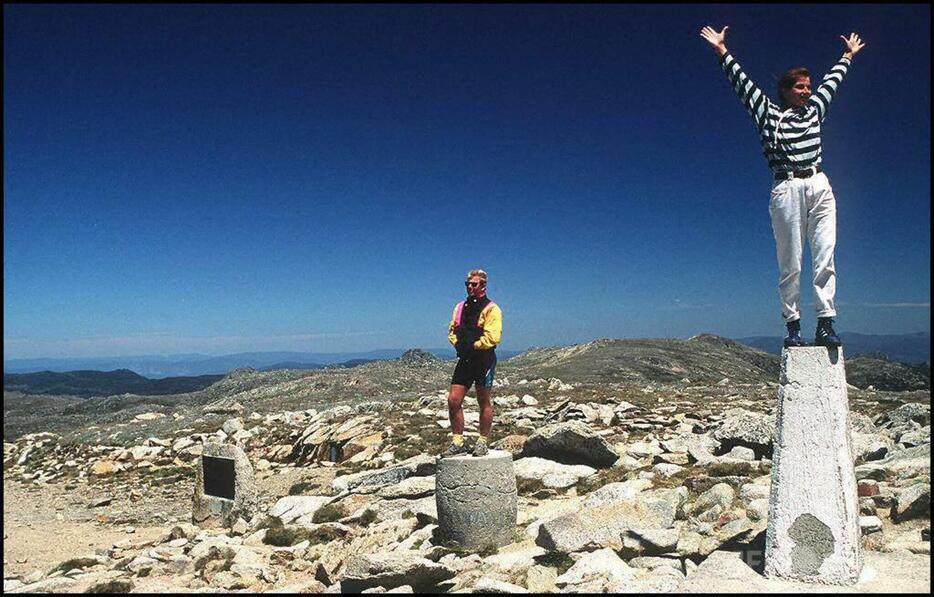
pixel 802 205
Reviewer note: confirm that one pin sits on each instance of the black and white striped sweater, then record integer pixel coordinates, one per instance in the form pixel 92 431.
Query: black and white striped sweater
pixel 790 138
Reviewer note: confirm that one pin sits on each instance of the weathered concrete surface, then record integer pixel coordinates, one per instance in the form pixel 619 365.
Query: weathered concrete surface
pixel 209 511
pixel 813 530
pixel 476 499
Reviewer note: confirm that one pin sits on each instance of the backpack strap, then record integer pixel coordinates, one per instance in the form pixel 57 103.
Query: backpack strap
pixel 457 316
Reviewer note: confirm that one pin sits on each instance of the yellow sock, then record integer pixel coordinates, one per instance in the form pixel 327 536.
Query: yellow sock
pixel 458 440
pixel 482 439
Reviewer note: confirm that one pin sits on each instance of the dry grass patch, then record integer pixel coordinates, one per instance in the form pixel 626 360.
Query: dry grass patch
pixel 327 513
pixel 614 474
pixel 529 486
pixel 561 561
pixel 302 486
pixel 289 535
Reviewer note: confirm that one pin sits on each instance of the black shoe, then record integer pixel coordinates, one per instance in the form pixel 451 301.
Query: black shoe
pixel 454 450
pixel 794 334
pixel 825 336
pixel 481 449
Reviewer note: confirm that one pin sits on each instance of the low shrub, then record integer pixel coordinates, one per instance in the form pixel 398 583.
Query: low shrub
pixel 556 559
pixel 285 536
pixel 327 513
pixel 529 486
pixel 301 487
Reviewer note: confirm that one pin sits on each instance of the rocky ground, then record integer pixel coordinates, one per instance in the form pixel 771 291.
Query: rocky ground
pixel 672 455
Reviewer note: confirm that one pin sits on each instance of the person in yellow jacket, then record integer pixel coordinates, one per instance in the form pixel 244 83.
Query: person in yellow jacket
pixel 476 328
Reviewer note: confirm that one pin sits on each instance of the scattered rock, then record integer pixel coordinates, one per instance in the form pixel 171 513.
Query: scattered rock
pixel 104 467
pixel 869 524
pixel 913 501
pixel 489 585
pixel 603 525
pixel 571 442
pixel 392 570
pixel 745 428
pixel 294 507
pixel 595 572
pixel 550 473
pixel 617 492
pixel 149 416
pixel 421 465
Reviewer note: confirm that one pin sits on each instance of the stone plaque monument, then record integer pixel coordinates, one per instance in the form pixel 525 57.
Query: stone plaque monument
pixel 813 530
pixel 476 500
pixel 224 487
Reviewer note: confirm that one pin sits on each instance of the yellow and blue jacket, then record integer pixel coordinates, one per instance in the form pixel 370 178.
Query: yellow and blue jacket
pixel 490 321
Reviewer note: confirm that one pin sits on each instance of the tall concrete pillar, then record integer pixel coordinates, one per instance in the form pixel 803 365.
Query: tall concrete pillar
pixel 813 532
pixel 476 499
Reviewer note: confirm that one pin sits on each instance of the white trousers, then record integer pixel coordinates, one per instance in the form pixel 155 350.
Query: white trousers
pixel 804 208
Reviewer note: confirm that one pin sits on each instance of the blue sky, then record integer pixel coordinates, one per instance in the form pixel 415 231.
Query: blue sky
pixel 216 179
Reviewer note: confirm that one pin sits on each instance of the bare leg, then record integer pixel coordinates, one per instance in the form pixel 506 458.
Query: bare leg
pixel 455 412
pixel 486 410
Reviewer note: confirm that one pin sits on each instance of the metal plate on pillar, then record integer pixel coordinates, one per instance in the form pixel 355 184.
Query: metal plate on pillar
pixel 218 477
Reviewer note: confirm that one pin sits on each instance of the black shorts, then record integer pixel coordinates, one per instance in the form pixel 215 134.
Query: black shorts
pixel 477 369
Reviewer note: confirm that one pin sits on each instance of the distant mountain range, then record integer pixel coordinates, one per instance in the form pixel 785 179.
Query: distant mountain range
pixel 155 366
pixel 102 383
pixel 702 358
pixel 904 348
pixel 158 367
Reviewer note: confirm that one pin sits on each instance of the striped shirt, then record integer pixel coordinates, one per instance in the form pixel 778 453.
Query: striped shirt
pixel 791 137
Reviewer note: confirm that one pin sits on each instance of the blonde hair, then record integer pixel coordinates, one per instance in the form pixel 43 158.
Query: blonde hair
pixel 478 273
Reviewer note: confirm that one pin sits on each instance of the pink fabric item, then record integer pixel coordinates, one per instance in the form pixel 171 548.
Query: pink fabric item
pixel 460 309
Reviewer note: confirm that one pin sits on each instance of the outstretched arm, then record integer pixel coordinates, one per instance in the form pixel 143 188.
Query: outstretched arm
pixel 824 94
pixel 756 102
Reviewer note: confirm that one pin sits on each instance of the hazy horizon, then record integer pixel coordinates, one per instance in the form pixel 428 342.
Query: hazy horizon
pixel 216 353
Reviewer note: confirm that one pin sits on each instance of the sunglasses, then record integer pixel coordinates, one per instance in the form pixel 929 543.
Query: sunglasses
pixel 472 284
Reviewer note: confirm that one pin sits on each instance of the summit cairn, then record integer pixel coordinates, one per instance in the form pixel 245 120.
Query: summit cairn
pixel 813 529
pixel 476 500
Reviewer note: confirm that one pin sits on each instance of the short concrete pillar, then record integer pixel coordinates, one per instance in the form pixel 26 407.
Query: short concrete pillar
pixel 476 499
pixel 813 532
pixel 224 487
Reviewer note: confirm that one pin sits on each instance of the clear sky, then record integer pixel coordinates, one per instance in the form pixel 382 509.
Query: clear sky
pixel 215 179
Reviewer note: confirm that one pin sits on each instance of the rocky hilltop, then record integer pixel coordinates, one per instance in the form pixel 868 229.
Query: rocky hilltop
pixel 666 443
pixel 702 358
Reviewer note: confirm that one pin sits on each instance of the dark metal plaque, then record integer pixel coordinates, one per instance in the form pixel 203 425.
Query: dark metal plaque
pixel 218 476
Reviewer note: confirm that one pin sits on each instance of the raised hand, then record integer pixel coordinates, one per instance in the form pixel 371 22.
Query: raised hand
pixel 715 39
pixel 853 45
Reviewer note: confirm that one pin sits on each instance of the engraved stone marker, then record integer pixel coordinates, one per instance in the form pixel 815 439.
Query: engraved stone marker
pixel 476 500
pixel 813 532
pixel 224 487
